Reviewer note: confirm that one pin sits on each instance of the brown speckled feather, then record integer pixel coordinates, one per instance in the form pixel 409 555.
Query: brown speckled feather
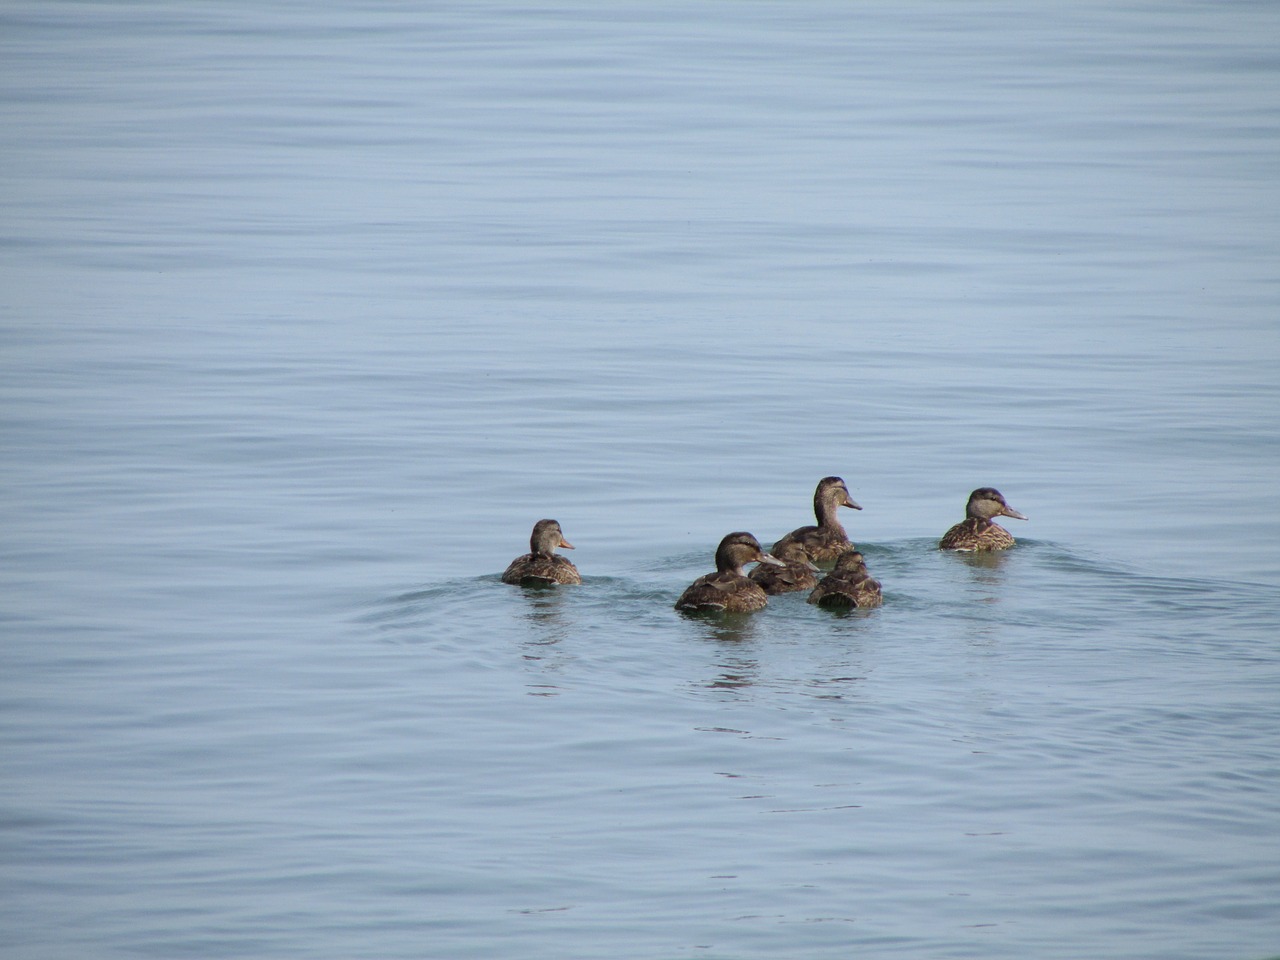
pixel 822 544
pixel 848 585
pixel 723 591
pixel 975 533
pixel 847 593
pixel 531 571
pixel 798 574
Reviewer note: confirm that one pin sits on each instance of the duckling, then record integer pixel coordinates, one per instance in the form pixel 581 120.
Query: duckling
pixel 729 589
pixel 541 567
pixel 977 531
pixel 796 573
pixel 827 540
pixel 848 585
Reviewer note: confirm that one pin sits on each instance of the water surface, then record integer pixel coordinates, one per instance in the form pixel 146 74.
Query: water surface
pixel 310 312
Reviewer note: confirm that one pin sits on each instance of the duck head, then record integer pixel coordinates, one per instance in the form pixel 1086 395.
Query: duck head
pixel 547 536
pixel 987 502
pixel 738 549
pixel 832 492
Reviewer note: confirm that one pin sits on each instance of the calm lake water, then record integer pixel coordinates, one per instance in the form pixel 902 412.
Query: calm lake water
pixel 310 310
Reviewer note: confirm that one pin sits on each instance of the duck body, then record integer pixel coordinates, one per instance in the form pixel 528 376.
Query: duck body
pixel 729 590
pixel 974 534
pixel 977 531
pixel 796 573
pixel 827 540
pixel 848 585
pixel 542 566
pixel 723 592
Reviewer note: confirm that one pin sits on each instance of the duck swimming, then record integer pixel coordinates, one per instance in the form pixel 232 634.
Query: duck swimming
pixel 848 585
pixel 977 531
pixel 729 589
pixel 796 572
pixel 827 540
pixel 541 567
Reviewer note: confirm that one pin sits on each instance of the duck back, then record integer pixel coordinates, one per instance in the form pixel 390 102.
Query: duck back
pixel 541 571
pixel 848 585
pixel 796 575
pixel 842 592
pixel 723 592
pixel 821 544
pixel 974 533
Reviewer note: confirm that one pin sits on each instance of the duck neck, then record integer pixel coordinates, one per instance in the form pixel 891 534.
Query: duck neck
pixel 727 563
pixel 825 510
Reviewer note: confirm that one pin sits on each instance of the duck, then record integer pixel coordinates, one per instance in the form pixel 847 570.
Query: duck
pixel 729 590
pixel 828 539
pixel 796 573
pixel 977 531
pixel 848 584
pixel 541 566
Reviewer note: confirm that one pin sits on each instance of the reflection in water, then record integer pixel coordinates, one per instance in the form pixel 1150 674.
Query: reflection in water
pixel 735 680
pixel 987 575
pixel 853 613
pixel 986 569
pixel 835 688
pixel 983 559
pixel 737 669
pixel 545 607
pixel 731 627
pixel 546 613
pixel 736 673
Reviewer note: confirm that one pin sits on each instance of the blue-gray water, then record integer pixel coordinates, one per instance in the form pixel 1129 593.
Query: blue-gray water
pixel 310 310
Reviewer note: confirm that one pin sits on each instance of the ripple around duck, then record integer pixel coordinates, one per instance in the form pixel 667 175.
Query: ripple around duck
pixel 1037 582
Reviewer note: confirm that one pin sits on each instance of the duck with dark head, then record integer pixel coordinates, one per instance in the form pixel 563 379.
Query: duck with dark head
pixel 729 590
pixel 542 566
pixel 827 540
pixel 977 531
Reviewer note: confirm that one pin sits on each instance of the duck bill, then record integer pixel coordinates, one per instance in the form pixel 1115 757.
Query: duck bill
pixel 770 559
pixel 1010 512
pixel 848 502
pixel 565 544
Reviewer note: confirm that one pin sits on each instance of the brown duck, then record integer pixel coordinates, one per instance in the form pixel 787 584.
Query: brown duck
pixel 977 531
pixel 541 566
pixel 796 572
pixel 729 590
pixel 828 539
pixel 848 585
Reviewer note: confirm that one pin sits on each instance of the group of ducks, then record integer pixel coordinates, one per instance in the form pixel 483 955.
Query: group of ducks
pixel 792 564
